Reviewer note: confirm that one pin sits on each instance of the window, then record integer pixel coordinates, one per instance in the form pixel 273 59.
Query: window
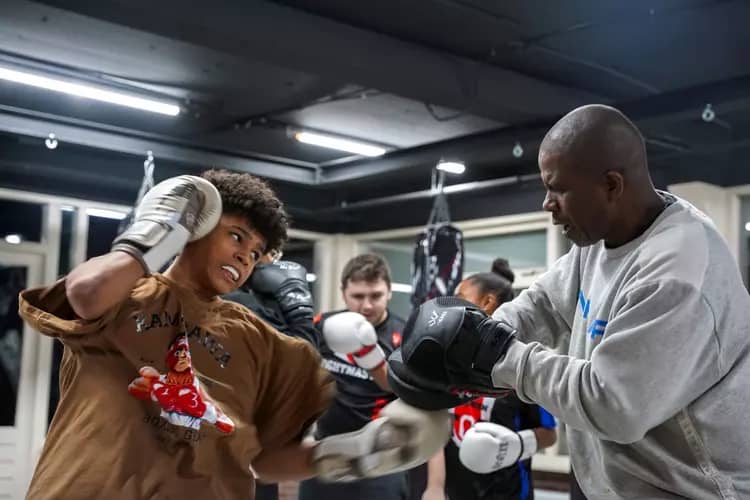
pixel 13 279
pixel 526 250
pixel 102 231
pixel 21 221
pixel 526 253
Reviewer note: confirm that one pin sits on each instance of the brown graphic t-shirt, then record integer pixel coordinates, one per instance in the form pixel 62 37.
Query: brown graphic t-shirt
pixel 168 396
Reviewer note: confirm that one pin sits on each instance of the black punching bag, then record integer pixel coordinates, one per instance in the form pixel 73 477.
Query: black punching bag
pixel 438 263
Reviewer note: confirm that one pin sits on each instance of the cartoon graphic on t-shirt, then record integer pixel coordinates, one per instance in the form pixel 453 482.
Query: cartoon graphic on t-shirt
pixel 182 400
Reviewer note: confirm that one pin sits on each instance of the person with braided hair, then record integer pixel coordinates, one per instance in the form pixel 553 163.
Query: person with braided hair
pixel 447 476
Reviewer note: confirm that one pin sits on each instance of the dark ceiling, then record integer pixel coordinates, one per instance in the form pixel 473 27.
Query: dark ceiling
pixel 427 79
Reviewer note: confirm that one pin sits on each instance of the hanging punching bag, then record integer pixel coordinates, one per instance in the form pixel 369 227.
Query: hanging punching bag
pixel 438 263
pixel 146 184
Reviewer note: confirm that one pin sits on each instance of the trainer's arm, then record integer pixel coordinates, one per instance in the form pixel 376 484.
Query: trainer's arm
pixel 98 284
pixel 656 356
pixel 544 312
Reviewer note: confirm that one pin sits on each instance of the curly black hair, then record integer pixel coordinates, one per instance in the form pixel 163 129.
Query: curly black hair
pixel 250 197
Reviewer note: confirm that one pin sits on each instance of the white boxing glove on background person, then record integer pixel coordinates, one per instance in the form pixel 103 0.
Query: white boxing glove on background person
pixel 350 333
pixel 487 447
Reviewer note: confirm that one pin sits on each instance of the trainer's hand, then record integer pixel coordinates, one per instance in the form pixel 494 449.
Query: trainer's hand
pixel 175 211
pixel 400 439
pixel 350 333
pixel 488 447
pixel 449 349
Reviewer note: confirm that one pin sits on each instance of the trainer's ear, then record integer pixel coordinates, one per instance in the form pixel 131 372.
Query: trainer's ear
pixel 615 184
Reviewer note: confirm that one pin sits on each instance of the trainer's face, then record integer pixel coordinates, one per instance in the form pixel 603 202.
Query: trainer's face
pixel 470 292
pixel 225 258
pixel 576 198
pixel 368 298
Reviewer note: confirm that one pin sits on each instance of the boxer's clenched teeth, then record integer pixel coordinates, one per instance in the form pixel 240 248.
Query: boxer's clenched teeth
pixel 232 271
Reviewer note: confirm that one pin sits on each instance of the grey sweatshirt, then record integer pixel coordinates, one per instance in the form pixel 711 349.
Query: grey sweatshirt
pixel 655 388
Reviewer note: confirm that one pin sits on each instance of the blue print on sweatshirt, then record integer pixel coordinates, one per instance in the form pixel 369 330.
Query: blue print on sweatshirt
pixel 598 326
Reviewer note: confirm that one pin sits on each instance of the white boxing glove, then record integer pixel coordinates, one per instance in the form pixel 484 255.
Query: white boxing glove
pixel 350 333
pixel 488 447
pixel 175 211
pixel 400 439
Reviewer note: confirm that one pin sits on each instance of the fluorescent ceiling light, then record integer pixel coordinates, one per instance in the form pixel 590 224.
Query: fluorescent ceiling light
pixel 452 167
pixel 107 214
pixel 13 239
pixel 401 287
pixel 89 92
pixel 328 141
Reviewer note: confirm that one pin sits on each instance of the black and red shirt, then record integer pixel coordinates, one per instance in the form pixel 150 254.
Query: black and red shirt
pixel 358 398
pixel 510 483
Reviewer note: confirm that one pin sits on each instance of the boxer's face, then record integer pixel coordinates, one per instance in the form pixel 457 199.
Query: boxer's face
pixel 224 259
pixel 368 298
pixel 470 292
pixel 577 198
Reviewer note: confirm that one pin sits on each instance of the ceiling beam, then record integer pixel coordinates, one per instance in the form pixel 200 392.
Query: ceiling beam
pixel 491 147
pixel 34 124
pixel 495 146
pixel 302 41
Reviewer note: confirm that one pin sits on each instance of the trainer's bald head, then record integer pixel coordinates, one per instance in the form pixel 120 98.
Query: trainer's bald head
pixel 597 138
pixel 593 164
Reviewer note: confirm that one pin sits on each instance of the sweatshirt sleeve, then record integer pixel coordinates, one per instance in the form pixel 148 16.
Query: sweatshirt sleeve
pixel 544 312
pixel 659 352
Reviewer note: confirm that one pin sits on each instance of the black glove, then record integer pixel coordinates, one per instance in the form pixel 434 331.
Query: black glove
pixel 286 282
pixel 447 353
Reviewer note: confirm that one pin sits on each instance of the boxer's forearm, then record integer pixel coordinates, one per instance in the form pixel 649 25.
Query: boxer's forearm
pixel 436 471
pixel 545 437
pixel 289 463
pixel 380 376
pixel 98 284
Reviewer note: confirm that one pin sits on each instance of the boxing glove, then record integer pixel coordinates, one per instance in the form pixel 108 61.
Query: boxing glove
pixel 175 211
pixel 286 283
pixel 350 333
pixel 488 447
pixel 449 347
pixel 401 438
